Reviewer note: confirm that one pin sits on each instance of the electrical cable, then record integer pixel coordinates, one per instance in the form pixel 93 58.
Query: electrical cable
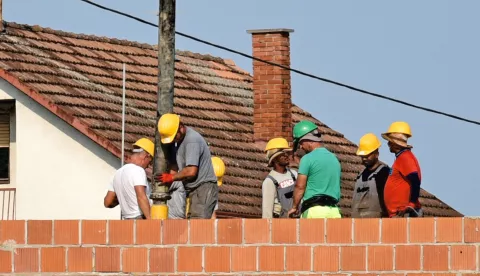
pixel 289 68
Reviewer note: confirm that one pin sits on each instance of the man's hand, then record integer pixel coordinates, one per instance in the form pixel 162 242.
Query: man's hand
pixel 165 178
pixel 293 213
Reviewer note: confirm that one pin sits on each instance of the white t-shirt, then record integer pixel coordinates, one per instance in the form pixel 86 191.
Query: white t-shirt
pixel 123 183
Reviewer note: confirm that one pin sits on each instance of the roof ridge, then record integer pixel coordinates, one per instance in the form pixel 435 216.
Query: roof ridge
pixel 116 41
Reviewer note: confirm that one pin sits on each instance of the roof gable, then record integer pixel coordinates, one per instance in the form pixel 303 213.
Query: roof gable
pixel 79 78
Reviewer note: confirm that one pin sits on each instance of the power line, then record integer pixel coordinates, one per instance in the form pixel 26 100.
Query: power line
pixel 288 68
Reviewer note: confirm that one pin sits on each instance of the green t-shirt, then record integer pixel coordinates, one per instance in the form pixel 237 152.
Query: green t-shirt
pixel 323 172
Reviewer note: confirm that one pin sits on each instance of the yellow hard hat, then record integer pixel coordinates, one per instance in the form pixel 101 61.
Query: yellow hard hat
pixel 277 143
pixel 146 144
pixel 168 127
pixel 368 143
pixel 399 127
pixel 219 168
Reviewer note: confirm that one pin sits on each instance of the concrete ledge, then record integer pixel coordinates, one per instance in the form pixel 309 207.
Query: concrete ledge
pixel 269 31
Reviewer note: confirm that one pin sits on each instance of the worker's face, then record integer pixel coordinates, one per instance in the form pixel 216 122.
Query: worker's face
pixel 180 134
pixel 282 159
pixel 371 159
pixel 394 148
pixel 305 145
pixel 146 159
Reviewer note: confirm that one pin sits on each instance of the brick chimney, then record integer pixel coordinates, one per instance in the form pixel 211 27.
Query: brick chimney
pixel 272 115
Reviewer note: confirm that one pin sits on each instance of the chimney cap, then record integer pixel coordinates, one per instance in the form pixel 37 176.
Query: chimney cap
pixel 270 31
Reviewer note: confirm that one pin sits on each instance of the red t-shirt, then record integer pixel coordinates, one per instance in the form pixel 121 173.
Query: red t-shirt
pixel 397 188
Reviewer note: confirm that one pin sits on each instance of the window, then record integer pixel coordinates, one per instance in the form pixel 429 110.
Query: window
pixel 5 111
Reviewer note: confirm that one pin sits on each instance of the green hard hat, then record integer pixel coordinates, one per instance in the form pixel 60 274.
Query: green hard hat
pixel 300 130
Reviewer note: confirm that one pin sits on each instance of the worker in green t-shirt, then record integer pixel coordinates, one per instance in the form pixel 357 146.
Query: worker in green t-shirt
pixel 319 176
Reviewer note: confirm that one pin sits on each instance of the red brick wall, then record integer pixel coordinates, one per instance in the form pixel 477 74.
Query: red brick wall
pixel 271 85
pixel 427 246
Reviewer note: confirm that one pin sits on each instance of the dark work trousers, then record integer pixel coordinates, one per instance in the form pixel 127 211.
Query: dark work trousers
pixel 203 200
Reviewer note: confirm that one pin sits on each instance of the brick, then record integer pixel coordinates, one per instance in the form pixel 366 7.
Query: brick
pixel 94 231
pixel 394 230
pixel 26 260
pixel 148 231
pixel 271 258
pixel 312 230
pixel 162 260
pixel 80 259
pixel 39 232
pixel 256 231
pixel 421 230
pixel 174 231
pixel 244 258
pixel 449 230
pixel 463 257
pixel 217 259
pixel 284 230
pixel 135 260
pixel 107 259
pixel 380 258
pixel 5 261
pixel 298 258
pixel 407 257
pixel 326 258
pixel 120 232
pixel 12 230
pixel 366 230
pixel 202 231
pixel 353 258
pixel 229 231
pixel 53 259
pixel 339 230
pixel 472 230
pixel 189 259
pixel 435 258
pixel 66 232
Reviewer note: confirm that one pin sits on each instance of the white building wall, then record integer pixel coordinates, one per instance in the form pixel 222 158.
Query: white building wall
pixel 58 172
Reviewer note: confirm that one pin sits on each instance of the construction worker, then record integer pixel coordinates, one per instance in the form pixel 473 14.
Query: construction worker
pixel 319 175
pixel 279 183
pixel 219 168
pixel 402 190
pixel 367 199
pixel 129 185
pixel 195 169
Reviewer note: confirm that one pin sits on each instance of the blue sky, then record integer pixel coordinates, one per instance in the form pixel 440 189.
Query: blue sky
pixel 424 52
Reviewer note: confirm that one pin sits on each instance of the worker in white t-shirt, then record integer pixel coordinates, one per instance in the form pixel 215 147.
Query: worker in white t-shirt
pixel 129 186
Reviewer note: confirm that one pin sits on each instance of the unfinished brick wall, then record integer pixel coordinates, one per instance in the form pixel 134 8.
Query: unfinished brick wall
pixel 272 115
pixel 424 246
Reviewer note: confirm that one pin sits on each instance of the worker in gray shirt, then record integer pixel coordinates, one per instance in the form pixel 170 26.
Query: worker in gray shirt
pixel 195 169
pixel 279 184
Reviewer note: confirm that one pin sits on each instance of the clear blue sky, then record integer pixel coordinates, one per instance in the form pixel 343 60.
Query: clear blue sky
pixel 424 52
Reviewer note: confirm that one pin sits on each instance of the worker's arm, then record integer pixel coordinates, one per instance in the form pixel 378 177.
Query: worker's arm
pixel 142 200
pixel 110 200
pixel 186 174
pixel 192 162
pixel 414 181
pixel 299 190
pixel 268 198
pixel 380 180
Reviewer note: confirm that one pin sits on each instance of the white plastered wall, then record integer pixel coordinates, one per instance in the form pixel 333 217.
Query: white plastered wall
pixel 58 172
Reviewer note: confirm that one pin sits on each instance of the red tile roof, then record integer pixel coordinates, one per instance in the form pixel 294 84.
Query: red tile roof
pixel 79 78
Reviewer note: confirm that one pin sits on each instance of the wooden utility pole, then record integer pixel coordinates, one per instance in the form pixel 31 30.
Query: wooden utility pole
pixel 1 17
pixel 166 74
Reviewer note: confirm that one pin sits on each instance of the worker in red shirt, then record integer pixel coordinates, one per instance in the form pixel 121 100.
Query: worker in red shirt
pixel 402 189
